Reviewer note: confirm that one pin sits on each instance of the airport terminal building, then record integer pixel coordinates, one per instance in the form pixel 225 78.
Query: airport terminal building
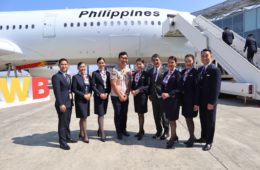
pixel 242 16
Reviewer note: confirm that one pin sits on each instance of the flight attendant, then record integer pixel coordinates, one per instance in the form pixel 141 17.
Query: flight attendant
pixel 209 88
pixel 189 96
pixel 170 96
pixel 81 86
pixel 101 87
pixel 140 88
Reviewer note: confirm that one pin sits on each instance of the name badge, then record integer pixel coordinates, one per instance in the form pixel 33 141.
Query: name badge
pixel 70 96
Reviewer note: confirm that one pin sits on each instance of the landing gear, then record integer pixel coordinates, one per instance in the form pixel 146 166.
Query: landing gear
pixel 10 68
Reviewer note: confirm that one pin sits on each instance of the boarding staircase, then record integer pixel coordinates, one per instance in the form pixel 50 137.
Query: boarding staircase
pixel 202 33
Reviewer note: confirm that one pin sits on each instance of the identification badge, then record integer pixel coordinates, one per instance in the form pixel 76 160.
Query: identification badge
pixel 70 96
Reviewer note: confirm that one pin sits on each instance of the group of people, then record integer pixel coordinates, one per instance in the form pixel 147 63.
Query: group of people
pixel 250 45
pixel 195 90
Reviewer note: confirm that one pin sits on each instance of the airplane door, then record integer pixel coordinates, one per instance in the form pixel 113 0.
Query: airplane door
pixel 49 27
pixel 128 43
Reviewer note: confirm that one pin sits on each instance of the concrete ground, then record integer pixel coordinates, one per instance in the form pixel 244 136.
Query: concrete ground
pixel 29 140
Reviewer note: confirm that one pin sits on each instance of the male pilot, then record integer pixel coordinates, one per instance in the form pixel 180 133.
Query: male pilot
pixel 209 88
pixel 61 83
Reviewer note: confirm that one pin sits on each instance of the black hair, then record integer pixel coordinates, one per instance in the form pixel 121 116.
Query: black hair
pixel 173 58
pixel 101 58
pixel 79 64
pixel 189 55
pixel 62 59
pixel 155 56
pixel 139 59
pixel 122 53
pixel 206 50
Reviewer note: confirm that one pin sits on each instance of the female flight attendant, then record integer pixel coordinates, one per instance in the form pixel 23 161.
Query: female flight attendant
pixel 189 96
pixel 170 95
pixel 81 86
pixel 101 87
pixel 139 90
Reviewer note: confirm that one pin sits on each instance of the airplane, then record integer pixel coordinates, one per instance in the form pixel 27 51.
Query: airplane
pixel 32 39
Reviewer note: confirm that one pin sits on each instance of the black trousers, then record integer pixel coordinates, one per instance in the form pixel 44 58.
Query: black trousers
pixel 120 114
pixel 160 119
pixel 250 56
pixel 64 125
pixel 207 121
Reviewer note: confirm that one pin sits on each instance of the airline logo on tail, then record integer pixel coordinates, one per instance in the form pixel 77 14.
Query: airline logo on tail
pixel 17 91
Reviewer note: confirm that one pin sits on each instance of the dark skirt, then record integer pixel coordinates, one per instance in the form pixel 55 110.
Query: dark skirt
pixel 140 103
pixel 187 110
pixel 82 109
pixel 171 108
pixel 100 106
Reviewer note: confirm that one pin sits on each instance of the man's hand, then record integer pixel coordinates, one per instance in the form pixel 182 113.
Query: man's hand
pixel 210 106
pixel 87 96
pixel 63 108
pixel 123 98
pixel 103 96
pixel 195 108
pixel 165 95
pixel 135 92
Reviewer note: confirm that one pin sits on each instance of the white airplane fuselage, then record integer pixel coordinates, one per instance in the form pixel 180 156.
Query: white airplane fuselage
pixel 86 34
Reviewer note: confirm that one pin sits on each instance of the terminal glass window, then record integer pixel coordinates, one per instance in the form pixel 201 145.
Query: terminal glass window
pixel 227 22
pixel 238 23
pixel 250 20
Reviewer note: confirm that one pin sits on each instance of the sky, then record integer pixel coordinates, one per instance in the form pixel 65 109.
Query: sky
pixel 179 5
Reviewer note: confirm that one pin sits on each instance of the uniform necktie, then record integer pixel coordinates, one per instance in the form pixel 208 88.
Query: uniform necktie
pixel 186 75
pixel 155 75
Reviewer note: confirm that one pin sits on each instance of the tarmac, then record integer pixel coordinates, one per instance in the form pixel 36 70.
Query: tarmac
pixel 29 141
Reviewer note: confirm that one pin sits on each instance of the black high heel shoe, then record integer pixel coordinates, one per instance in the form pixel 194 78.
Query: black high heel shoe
pixel 103 138
pixel 170 144
pixel 98 133
pixel 140 135
pixel 85 140
pixel 190 143
pixel 176 139
pixel 80 136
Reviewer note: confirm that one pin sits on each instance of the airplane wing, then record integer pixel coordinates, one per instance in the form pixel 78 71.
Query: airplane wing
pixel 7 47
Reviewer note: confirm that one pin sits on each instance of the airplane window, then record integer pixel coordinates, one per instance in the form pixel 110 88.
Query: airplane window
pixel 132 22
pixel 111 23
pixel 26 26
pixel 98 23
pixel 71 24
pixel 78 24
pixel 20 26
pixel 1 27
pixel 118 22
pixel 125 22
pixel 146 22
pixel 159 22
pixel 33 26
pixel 139 22
pixel 152 22
pixel 85 24
pixel 105 23
pixel 91 24
pixel 13 27
pixel 65 24
pixel 7 27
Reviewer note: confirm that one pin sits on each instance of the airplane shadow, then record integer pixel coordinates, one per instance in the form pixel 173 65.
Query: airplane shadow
pixel 50 139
